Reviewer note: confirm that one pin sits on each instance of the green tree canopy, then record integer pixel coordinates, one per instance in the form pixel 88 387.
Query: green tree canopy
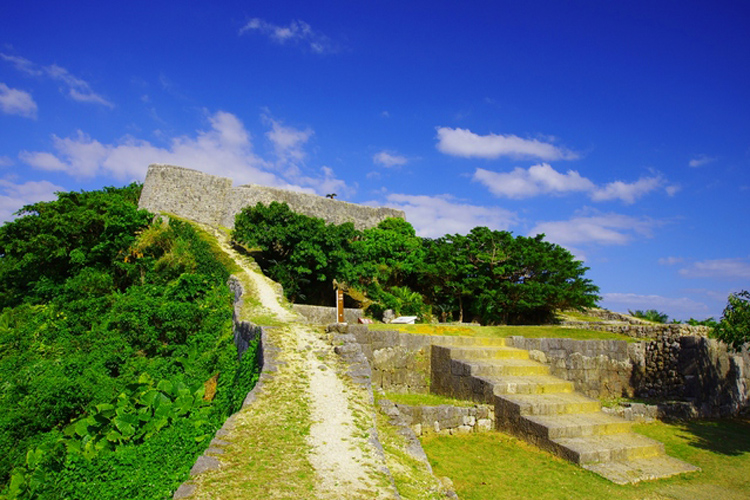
pixel 489 275
pixel 734 327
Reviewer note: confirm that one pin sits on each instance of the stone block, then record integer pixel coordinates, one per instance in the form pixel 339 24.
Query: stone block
pixel 484 424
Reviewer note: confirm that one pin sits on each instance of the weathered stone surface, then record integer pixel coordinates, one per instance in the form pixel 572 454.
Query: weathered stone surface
pixel 213 200
pixel 184 491
pixel 203 464
pixel 321 315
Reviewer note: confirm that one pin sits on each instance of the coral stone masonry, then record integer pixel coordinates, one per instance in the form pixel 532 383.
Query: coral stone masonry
pixel 214 201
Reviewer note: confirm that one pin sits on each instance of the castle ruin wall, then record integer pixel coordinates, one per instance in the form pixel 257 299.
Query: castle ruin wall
pixel 213 200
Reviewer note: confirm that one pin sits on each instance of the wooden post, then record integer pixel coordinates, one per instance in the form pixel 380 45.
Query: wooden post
pixel 340 306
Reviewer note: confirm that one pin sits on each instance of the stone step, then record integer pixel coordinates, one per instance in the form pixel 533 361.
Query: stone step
pixel 608 448
pixel 478 353
pixel 546 411
pixel 510 405
pixel 575 425
pixel 642 469
pixel 530 384
pixel 474 341
pixel 507 367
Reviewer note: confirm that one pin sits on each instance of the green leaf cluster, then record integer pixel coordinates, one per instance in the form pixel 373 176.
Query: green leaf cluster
pixel 95 294
pixel 734 327
pixel 489 276
pixel 650 315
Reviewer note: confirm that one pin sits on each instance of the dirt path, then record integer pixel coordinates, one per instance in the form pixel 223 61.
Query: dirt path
pixel 346 464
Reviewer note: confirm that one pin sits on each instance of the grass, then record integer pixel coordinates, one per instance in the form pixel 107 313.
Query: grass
pixel 494 465
pixel 268 452
pixel 535 331
pixel 577 316
pixel 425 400
pixel 412 477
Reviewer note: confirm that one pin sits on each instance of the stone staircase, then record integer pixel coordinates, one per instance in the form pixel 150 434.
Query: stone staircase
pixel 547 412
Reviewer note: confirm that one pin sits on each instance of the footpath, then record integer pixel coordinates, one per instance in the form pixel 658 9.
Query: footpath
pixel 306 431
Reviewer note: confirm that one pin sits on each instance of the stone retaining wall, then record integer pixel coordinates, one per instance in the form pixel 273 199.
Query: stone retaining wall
pixel 699 376
pixel 322 315
pixel 644 331
pixel 400 362
pixel 696 370
pixel 600 369
pixel 244 331
pixel 214 201
pixel 447 419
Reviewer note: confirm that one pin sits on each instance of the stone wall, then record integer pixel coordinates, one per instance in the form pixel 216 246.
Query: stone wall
pixel 640 331
pixel 322 315
pixel 696 370
pixel 444 419
pixel 400 362
pixel 244 331
pixel 212 200
pixel 600 369
pixel 689 376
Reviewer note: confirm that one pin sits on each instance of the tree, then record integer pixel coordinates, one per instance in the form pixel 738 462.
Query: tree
pixel 52 241
pixel 302 253
pixel 501 279
pixel 734 327
pixel 650 315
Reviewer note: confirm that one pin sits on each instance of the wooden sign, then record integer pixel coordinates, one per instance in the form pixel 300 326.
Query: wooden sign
pixel 340 306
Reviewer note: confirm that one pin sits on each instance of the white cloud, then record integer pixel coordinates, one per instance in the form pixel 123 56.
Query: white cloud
pixel 434 216
pixel 14 196
pixel 600 229
pixel 224 149
pixel 701 160
pixel 463 142
pixel 298 32
pixel 77 88
pixel 627 192
pixel 670 261
pixel 388 159
pixel 328 184
pixel 673 189
pixel 538 179
pixel 288 142
pixel 681 307
pixel 17 102
pixel 543 179
pixel 718 268
pixel 5 161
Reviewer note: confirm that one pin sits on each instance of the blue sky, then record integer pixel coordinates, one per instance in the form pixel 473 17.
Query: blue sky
pixel 620 130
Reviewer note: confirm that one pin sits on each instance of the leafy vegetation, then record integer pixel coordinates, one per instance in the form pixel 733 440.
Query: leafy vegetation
pixel 650 315
pixel 487 275
pixel 116 352
pixel 734 327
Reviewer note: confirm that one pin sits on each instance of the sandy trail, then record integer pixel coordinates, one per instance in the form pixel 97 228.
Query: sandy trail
pixel 347 464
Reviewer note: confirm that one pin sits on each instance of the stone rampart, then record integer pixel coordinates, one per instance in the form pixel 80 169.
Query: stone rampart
pixel 214 201
pixel 323 315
